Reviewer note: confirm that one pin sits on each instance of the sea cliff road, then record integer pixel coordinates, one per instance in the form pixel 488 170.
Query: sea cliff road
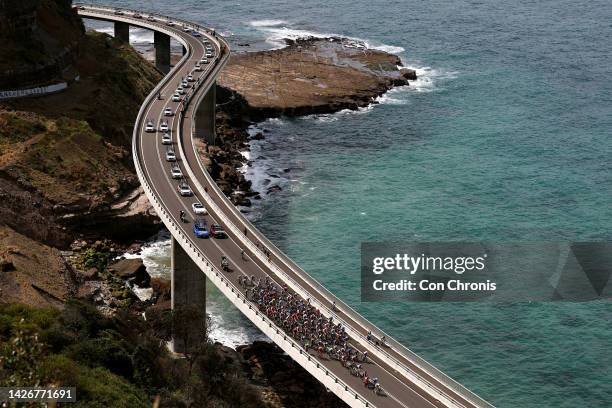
pixel 407 380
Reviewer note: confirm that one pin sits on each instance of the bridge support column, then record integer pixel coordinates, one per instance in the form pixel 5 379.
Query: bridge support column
pixel 184 50
pixel 205 116
pixel 162 51
pixel 188 302
pixel 122 31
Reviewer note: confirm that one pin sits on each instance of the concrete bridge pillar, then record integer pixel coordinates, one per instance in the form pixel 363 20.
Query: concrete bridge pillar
pixel 205 116
pixel 122 31
pixel 188 302
pixel 162 51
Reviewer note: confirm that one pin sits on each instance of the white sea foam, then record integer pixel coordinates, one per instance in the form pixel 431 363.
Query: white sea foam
pixel 155 255
pixel 229 328
pixel 267 23
pixel 106 30
pixel 429 78
pixel 140 36
pixel 233 335
pixel 278 30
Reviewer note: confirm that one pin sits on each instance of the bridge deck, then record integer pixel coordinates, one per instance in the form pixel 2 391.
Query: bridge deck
pixel 407 380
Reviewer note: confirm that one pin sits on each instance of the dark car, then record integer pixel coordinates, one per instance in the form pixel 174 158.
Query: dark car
pixel 199 228
pixel 217 231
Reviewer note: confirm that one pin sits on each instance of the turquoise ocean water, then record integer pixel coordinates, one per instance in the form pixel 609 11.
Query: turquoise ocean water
pixel 507 135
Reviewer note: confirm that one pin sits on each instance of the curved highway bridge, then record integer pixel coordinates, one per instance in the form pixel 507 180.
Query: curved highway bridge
pixel 407 380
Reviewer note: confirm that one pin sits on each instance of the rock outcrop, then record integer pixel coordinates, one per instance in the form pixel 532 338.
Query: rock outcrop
pixel 33 273
pixel 282 382
pixel 40 40
pixel 132 271
pixel 311 75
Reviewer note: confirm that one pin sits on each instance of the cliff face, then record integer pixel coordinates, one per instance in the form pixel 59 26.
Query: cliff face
pixel 65 162
pixel 39 41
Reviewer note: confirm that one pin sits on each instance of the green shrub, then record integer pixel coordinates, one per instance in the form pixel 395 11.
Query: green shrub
pixel 105 352
pixel 96 387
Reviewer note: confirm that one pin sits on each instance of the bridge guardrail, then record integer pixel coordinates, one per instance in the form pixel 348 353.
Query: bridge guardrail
pixel 397 365
pixel 295 285
pixel 401 366
pixel 291 347
pixel 411 374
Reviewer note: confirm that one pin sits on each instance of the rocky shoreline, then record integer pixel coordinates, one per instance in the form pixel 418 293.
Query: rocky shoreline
pixel 309 76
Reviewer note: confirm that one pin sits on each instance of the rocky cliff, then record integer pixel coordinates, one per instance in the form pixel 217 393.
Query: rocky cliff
pixel 65 159
pixel 40 40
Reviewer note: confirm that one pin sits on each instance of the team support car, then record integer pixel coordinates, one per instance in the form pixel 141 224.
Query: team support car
pixel 199 209
pixel 196 34
pixel 180 90
pixel 176 172
pixel 149 126
pixel 198 66
pixel 163 127
pixel 176 97
pixel 137 15
pixel 199 228
pixel 203 61
pixel 170 155
pixel 166 139
pixel 186 29
pixel 168 112
pixel 185 83
pixel 170 23
pixel 117 12
pixel 184 189
pixel 151 18
pixel 190 78
pixel 217 231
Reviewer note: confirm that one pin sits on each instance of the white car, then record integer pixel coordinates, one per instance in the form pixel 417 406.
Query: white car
pixel 209 55
pixel 176 97
pixel 189 78
pixel 186 29
pixel 168 112
pixel 151 18
pixel 166 139
pixel 204 61
pixel 184 189
pixel 176 172
pixel 170 23
pixel 185 83
pixel 163 127
pixel 198 67
pixel 149 127
pixel 198 209
pixel 170 156
pixel 180 90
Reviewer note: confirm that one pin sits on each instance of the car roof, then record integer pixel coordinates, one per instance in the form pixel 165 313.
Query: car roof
pixel 198 204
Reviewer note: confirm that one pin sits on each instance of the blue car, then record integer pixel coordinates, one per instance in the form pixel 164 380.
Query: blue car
pixel 196 34
pixel 199 228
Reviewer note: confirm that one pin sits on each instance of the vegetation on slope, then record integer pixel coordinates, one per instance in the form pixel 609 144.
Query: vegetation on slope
pixel 114 362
